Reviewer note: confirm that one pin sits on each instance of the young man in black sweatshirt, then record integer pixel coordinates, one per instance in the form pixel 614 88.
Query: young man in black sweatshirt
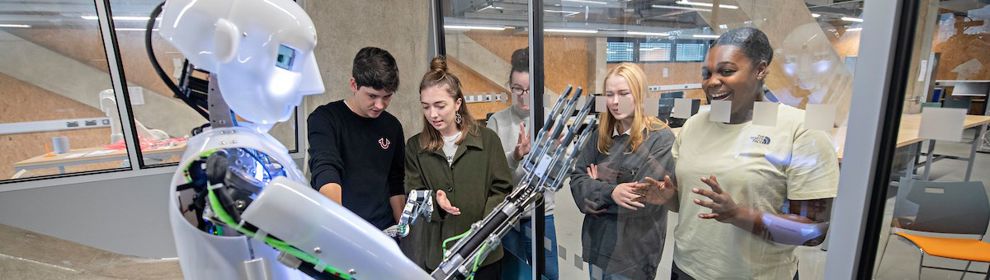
pixel 356 153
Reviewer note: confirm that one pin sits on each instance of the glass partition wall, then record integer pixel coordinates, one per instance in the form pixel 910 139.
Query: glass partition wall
pixel 749 128
pixel 56 126
pixel 934 210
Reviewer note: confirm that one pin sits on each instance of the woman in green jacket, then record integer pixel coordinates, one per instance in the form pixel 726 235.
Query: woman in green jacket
pixel 461 162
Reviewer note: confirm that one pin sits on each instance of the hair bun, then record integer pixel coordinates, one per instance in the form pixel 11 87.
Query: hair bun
pixel 520 60
pixel 439 64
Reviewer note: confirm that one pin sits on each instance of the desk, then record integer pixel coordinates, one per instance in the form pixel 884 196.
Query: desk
pixel 91 155
pixel 907 135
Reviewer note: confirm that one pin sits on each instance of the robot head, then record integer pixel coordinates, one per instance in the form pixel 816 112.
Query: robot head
pixel 260 50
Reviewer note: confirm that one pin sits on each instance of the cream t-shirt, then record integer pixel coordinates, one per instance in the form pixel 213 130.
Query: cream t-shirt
pixel 760 167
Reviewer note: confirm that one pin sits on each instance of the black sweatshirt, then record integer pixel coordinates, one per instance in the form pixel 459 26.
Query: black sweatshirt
pixel 364 155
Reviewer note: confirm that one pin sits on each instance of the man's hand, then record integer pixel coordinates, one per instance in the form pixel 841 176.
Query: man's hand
pixel 445 203
pixel 523 143
pixel 398 203
pixel 332 191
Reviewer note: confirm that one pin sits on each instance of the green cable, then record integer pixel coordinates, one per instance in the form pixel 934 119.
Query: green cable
pixel 456 237
pixel 277 244
pixel 477 261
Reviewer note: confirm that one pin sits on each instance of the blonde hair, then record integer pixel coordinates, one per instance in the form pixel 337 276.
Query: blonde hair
pixel 430 139
pixel 642 124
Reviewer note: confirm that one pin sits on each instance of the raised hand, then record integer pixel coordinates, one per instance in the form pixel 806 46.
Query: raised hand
pixel 723 207
pixel 445 203
pixel 523 144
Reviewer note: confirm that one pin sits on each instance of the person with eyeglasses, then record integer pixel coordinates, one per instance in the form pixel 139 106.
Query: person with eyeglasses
pixel 510 125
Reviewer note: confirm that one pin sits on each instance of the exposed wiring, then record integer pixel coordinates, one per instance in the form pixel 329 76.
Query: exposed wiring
pixel 263 163
pixel 279 245
pixel 477 261
pixel 226 219
pixel 443 246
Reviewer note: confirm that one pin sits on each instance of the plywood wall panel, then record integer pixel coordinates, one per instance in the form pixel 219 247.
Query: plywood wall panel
pixel 567 60
pixel 474 84
pixel 85 45
pixel 963 56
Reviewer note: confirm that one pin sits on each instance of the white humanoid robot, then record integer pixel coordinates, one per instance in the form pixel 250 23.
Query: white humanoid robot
pixel 240 208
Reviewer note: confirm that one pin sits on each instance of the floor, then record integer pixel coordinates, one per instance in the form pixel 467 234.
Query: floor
pixel 27 255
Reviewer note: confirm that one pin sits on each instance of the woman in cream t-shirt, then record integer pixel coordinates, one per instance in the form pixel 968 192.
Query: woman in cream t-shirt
pixel 748 194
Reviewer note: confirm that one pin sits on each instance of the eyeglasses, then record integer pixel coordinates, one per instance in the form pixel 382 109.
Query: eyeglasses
pixel 518 90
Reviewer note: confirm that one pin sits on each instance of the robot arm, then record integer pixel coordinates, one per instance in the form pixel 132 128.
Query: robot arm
pixel 545 170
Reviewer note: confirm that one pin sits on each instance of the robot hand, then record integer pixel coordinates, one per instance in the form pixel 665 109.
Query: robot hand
pixel 418 203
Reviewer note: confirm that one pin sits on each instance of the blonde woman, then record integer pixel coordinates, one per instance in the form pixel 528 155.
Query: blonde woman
pixel 616 183
pixel 462 162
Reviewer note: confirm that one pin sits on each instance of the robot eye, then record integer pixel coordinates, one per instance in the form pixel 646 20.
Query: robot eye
pixel 286 57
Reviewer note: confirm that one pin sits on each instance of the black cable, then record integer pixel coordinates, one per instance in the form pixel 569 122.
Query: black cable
pixel 158 68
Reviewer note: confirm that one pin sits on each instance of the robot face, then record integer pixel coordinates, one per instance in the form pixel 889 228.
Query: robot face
pixel 261 51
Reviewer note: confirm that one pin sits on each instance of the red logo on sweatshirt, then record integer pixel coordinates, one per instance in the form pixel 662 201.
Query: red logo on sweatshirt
pixel 384 143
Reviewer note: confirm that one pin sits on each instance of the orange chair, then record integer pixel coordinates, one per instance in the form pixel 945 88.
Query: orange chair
pixel 958 208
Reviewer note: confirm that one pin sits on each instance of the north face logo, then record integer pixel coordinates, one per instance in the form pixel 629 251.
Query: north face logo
pixel 761 139
pixel 384 143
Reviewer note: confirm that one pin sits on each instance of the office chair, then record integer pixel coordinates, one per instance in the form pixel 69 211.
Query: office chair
pixel 959 208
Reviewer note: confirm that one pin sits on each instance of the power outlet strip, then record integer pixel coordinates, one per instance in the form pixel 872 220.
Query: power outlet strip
pixel 486 97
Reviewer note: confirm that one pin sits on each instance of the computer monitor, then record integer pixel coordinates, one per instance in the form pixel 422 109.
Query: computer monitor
pixel 666 107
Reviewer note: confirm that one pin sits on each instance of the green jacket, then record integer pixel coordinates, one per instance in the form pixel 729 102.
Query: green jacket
pixel 476 182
